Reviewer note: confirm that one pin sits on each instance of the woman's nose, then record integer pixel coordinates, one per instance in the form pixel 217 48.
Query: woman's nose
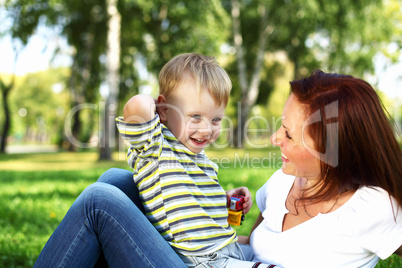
pixel 275 139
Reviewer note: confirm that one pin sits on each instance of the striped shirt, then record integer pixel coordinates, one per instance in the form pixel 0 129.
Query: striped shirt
pixel 178 188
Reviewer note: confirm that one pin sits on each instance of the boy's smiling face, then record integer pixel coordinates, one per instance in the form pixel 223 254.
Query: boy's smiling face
pixel 194 119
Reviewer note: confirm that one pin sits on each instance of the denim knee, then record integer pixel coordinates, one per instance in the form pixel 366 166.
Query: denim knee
pixel 123 179
pixel 114 175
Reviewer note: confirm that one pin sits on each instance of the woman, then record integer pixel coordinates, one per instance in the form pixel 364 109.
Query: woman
pixel 336 202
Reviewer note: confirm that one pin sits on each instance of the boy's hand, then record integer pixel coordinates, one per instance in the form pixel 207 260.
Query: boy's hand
pixel 248 202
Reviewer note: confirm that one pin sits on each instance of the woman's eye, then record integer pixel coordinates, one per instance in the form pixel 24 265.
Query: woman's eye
pixel 287 135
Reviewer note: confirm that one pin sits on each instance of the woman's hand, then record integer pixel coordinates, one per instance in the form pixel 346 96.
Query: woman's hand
pixel 248 202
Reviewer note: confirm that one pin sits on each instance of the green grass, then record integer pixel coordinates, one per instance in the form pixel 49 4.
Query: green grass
pixel 37 190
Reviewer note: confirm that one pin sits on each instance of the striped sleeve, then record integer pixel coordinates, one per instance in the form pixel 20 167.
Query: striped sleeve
pixel 145 139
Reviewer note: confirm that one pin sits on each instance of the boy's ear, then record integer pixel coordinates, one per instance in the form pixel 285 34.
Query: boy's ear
pixel 161 107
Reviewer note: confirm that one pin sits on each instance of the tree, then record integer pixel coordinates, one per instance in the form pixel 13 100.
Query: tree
pixel 112 77
pixel 42 102
pixel 249 90
pixel 19 34
pixel 158 30
pixel 152 30
pixel 176 26
pixel 5 89
pixel 84 24
pixel 298 27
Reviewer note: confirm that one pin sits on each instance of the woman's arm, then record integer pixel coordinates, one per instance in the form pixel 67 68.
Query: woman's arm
pixel 246 239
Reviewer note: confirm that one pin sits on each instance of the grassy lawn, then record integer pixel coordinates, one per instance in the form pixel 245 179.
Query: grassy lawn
pixel 37 190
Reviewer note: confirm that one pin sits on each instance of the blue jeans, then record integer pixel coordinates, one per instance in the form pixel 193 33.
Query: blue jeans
pixel 105 219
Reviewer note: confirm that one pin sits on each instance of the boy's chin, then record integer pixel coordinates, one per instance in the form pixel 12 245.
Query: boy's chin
pixel 196 150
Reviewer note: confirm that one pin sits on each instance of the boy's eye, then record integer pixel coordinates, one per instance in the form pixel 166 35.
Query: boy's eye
pixel 217 120
pixel 196 117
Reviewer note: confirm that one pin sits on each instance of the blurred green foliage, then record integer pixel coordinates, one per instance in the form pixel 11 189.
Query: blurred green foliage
pixel 341 36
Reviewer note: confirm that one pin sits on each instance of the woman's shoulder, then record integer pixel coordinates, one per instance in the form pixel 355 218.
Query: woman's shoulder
pixel 375 218
pixel 371 195
pixel 369 201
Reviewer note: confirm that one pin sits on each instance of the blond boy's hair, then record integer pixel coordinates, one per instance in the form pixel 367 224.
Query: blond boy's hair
pixel 206 72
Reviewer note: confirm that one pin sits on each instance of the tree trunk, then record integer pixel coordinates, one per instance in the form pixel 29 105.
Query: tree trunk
pixel 76 100
pixel 79 86
pixel 113 64
pixel 5 90
pixel 249 91
pixel 76 129
pixel 242 74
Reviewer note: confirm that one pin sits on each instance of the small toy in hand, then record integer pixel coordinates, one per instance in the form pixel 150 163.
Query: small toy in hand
pixel 235 206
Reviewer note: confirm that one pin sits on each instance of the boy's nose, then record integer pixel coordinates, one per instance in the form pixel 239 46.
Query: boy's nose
pixel 205 127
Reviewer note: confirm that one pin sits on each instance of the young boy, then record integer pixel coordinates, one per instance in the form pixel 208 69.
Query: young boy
pixel 178 184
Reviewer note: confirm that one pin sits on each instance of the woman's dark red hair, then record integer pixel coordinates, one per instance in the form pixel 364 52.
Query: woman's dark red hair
pixel 352 133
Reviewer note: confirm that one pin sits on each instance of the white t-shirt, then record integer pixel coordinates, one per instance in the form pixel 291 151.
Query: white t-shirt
pixel 354 235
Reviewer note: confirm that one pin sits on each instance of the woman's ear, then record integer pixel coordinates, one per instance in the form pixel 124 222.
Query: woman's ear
pixel 161 107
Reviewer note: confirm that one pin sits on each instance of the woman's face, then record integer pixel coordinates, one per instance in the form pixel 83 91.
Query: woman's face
pixel 295 143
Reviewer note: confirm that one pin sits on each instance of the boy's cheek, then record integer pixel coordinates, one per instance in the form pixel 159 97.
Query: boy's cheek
pixel 216 134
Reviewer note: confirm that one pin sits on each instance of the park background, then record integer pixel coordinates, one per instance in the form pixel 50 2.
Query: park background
pixel 68 67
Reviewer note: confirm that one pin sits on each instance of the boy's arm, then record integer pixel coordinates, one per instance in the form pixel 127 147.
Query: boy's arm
pixel 247 197
pixel 139 109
